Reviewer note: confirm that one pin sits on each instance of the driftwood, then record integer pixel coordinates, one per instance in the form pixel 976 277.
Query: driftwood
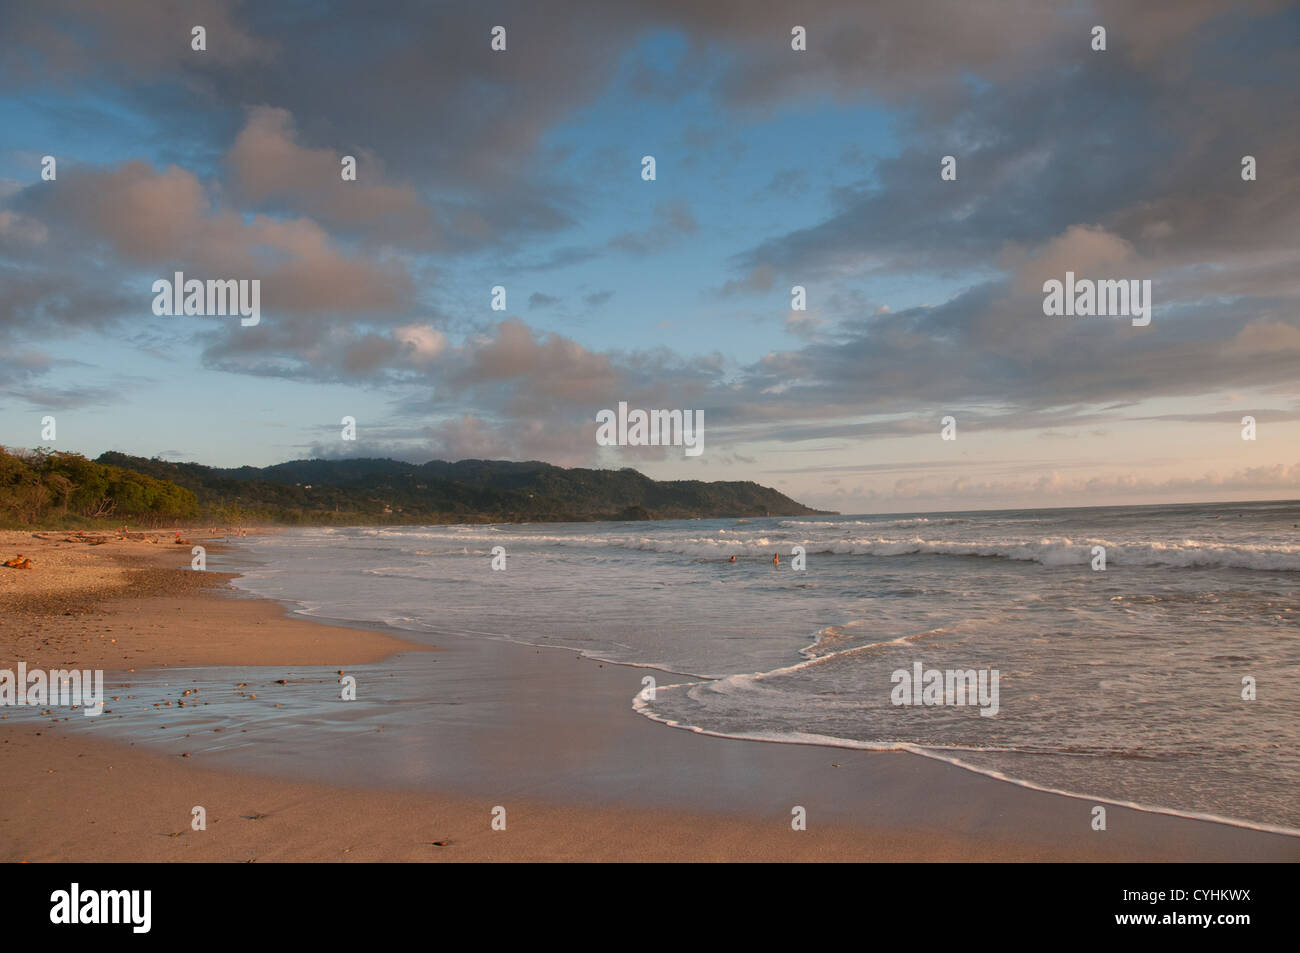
pixel 100 538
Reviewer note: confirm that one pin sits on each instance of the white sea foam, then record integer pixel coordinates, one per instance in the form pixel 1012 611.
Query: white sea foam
pixel 945 755
pixel 1049 551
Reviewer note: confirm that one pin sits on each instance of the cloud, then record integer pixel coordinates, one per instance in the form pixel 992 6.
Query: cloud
pixel 672 221
pixel 470 437
pixel 989 348
pixel 155 221
pixel 786 183
pixel 758 281
pixel 67 40
pixel 1088 251
pixel 803 323
pixel 423 342
pixel 539 370
pixel 1111 143
pixel 25 377
pixel 22 230
pixel 1050 487
pixel 271 170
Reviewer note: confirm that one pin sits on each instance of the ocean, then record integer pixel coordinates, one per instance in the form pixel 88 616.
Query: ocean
pixel 1123 685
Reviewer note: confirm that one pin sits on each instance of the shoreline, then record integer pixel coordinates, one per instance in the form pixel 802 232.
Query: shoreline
pixel 582 775
pixel 125 603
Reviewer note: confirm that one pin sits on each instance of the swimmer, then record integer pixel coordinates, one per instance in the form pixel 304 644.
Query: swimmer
pixel 732 559
pixel 776 559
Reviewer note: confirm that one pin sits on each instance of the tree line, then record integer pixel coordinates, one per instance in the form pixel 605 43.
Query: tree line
pixel 42 486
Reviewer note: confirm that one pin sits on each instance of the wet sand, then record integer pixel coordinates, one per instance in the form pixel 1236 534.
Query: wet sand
pixel 131 603
pixel 546 735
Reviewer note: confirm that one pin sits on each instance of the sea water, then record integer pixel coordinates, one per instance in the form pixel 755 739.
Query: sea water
pixel 1124 685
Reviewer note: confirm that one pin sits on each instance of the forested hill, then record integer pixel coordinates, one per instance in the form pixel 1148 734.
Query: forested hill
pixel 390 491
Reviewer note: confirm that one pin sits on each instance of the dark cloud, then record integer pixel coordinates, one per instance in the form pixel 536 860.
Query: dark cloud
pixel 992 348
pixel 1118 140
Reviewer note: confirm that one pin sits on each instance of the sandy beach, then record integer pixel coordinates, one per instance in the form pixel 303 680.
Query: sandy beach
pixel 548 735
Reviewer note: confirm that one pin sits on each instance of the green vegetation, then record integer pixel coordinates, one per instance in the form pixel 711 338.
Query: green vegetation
pixel 42 487
pixel 375 491
pixel 47 488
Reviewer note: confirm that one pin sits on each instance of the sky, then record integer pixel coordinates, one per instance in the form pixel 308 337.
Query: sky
pixel 522 168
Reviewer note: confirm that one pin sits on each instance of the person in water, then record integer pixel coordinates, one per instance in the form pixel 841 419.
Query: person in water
pixel 732 559
pixel 776 559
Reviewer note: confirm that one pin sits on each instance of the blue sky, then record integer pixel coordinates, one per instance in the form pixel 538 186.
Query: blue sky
pixel 774 168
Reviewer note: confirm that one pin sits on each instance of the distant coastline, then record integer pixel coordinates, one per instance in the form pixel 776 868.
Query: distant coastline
pixel 41 488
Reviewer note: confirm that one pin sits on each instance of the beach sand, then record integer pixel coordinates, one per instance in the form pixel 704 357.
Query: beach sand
pixel 549 736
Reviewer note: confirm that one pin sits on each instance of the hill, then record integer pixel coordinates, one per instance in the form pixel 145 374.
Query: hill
pixel 467 491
